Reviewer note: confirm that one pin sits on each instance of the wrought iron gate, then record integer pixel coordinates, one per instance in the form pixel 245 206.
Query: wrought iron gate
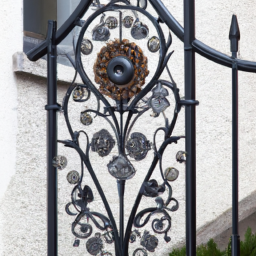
pixel 121 74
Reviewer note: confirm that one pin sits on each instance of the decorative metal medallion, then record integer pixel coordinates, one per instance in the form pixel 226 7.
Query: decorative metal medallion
pixel 121 168
pixel 134 54
pixel 60 162
pixel 76 243
pixel 154 44
pixel 152 189
pixel 86 118
pixel 111 22
pixel 100 32
pixel 102 143
pixel 139 30
pixel 158 102
pixel 150 242
pixel 80 94
pixel 94 245
pixel 171 174
pixel 140 252
pixel 127 21
pixel 138 146
pixel 73 177
pixel 181 157
pixel 86 47
pixel 81 230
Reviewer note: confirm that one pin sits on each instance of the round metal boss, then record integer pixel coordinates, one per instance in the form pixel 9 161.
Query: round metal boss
pixel 86 46
pixel 120 70
pixel 73 177
pixel 153 44
pixel 171 174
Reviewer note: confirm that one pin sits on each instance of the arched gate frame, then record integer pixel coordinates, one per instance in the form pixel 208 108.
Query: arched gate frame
pixel 149 187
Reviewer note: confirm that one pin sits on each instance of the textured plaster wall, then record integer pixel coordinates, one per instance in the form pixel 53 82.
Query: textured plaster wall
pixel 23 141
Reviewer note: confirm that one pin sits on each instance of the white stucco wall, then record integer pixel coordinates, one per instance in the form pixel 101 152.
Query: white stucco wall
pixel 23 147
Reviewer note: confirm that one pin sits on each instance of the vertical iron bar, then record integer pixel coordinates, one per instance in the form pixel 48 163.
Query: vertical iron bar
pixel 235 235
pixel 121 187
pixel 190 126
pixel 234 36
pixel 120 26
pixel 52 196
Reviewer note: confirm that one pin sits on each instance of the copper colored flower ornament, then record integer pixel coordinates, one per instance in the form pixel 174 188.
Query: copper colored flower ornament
pixel 138 69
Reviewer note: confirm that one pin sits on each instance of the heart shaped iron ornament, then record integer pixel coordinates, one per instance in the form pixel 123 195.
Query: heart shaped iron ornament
pixel 158 101
pixel 121 168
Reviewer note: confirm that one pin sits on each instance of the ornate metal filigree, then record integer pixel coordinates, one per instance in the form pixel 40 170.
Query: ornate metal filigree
pixel 102 143
pixel 140 252
pixel 138 146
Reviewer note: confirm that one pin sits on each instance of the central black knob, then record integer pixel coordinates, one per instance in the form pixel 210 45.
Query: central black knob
pixel 120 70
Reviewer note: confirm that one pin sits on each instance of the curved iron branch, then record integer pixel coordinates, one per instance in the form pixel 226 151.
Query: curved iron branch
pixel 139 196
pixel 86 161
pixel 199 47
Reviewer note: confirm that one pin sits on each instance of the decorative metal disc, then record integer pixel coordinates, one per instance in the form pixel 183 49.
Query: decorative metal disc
pixel 181 156
pixel 102 143
pixel 139 30
pixel 121 168
pixel 138 146
pixel 111 22
pixel 80 94
pixel 73 177
pixel 171 174
pixel 86 118
pixel 130 51
pixel 86 47
pixel 140 252
pixel 128 21
pixel 153 44
pixel 94 245
pixel 150 242
pixel 100 33
pixel 60 162
pixel 81 230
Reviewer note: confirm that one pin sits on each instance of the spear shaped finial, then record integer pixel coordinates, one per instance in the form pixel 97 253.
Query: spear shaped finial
pixel 234 34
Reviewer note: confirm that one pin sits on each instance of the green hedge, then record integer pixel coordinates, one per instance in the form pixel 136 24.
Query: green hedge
pixel 247 247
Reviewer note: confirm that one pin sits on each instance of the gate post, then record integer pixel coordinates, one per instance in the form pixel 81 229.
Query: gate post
pixel 234 36
pixel 52 107
pixel 190 126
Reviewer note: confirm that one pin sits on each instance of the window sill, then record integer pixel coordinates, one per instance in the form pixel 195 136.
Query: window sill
pixel 21 64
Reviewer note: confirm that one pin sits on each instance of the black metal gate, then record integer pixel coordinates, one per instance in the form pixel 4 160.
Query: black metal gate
pixel 120 70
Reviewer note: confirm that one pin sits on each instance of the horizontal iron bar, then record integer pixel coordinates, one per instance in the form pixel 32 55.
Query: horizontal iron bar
pixel 189 102
pixel 200 48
